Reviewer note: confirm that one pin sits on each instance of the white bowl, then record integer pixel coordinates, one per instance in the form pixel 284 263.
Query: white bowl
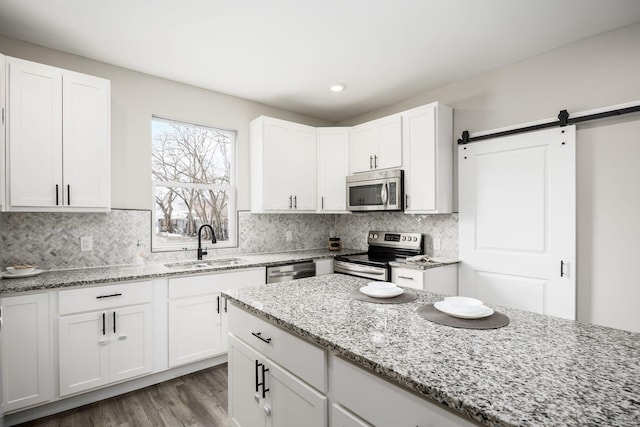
pixel 463 301
pixel 381 286
pixel 20 270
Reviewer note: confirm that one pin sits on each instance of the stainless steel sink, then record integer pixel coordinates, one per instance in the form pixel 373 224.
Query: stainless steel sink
pixel 204 264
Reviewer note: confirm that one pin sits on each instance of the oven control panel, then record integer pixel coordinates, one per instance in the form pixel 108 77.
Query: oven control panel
pixel 391 239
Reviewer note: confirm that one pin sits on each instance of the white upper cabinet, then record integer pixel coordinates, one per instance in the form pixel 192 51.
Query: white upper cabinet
pixel 57 139
pixel 333 168
pixel 3 112
pixel 427 135
pixel 376 145
pixel 283 166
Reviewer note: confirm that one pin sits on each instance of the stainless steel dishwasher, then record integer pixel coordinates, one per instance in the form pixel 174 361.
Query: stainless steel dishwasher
pixel 292 271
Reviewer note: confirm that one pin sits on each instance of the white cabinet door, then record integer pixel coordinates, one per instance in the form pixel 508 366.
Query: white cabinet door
pixel 26 356
pixel 35 134
pixel 292 403
pixel 3 112
pixel 428 159
pixel 278 140
pixel 130 342
pixel 301 160
pixel 362 145
pixel 83 351
pixel 340 417
pixel 246 404
pixel 86 110
pixel 376 145
pixel 389 154
pixel 194 329
pixel 333 168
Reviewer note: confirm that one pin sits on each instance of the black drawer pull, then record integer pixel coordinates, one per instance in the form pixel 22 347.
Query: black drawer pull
pixel 259 336
pixel 109 296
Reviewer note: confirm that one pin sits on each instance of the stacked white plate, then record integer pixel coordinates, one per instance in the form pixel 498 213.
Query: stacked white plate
pixel 17 272
pixel 381 290
pixel 463 307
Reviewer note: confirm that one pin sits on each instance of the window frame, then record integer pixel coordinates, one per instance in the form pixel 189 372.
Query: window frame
pixel 156 246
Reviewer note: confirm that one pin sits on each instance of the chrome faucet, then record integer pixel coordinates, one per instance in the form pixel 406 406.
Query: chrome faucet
pixel 213 240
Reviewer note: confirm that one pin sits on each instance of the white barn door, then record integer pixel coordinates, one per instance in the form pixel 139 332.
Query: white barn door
pixel 517 222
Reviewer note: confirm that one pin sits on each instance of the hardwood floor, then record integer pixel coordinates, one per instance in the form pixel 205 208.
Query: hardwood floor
pixel 198 399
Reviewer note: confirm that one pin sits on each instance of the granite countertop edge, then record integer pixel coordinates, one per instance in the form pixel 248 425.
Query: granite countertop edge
pixel 56 279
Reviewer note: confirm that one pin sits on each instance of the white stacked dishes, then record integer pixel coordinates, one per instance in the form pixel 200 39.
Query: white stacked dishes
pixel 17 271
pixel 463 308
pixel 381 290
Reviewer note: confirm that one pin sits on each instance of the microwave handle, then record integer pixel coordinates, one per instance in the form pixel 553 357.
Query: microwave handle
pixel 384 193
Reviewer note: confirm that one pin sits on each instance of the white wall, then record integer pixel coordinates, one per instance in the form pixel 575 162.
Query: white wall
pixel 135 97
pixel 595 72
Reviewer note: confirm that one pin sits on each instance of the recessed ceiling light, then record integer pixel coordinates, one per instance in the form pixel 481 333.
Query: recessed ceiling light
pixel 339 87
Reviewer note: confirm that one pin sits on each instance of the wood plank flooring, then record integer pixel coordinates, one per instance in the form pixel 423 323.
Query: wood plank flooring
pixel 198 399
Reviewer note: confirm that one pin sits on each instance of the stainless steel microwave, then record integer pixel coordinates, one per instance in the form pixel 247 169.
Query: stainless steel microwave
pixel 375 191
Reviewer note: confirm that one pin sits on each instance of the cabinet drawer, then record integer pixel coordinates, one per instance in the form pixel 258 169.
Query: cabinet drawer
pixel 212 283
pixel 382 403
pixel 408 277
pixel 104 297
pixel 298 356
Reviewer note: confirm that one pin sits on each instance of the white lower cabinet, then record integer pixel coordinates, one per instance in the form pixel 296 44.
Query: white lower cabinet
pixel 275 378
pixel 262 393
pixel 107 345
pixel 26 351
pixel 440 280
pixel 382 403
pixel 198 313
pixel 341 417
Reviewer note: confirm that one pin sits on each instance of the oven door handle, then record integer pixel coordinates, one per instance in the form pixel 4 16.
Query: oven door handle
pixel 384 194
pixel 354 267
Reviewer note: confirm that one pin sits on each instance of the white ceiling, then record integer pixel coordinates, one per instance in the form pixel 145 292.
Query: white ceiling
pixel 286 53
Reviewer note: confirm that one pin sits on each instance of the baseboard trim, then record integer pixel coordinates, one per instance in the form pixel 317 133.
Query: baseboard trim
pixel 65 404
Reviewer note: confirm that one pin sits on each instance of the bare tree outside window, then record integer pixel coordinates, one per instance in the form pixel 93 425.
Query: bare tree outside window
pixel 192 173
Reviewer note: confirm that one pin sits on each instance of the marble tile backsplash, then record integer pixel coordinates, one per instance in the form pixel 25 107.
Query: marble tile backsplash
pixel 352 229
pixel 52 240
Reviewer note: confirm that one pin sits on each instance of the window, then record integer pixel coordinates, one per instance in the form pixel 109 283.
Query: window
pixel 193 184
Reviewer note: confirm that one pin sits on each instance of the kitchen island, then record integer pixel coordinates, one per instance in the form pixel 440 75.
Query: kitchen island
pixel 537 371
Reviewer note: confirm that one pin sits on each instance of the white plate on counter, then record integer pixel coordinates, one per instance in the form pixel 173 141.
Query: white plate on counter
pixel 381 293
pixel 464 312
pixel 16 275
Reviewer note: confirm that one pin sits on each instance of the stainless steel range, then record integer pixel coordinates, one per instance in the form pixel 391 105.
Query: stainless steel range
pixel 384 246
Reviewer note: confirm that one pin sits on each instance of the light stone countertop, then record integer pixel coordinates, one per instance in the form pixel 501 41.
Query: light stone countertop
pixel 537 371
pixel 97 275
pixel 421 265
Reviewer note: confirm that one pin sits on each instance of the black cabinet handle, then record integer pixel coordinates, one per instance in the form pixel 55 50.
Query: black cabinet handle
pixel 562 268
pixel 370 162
pixel 108 296
pixel 290 202
pixel 68 195
pixel 295 202
pixel 259 336
pixel 57 201
pixel 104 324
pixel 114 322
pixel 264 390
pixel 225 305
pixel 257 379
pixel 218 298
